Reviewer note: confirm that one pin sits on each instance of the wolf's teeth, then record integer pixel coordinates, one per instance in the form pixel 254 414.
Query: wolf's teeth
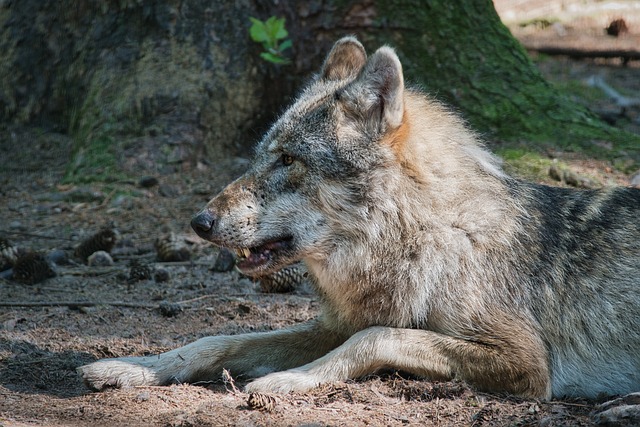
pixel 243 252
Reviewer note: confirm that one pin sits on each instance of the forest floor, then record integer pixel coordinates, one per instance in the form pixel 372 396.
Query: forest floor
pixel 84 314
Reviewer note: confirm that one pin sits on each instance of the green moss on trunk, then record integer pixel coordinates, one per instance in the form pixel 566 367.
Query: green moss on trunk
pixel 463 54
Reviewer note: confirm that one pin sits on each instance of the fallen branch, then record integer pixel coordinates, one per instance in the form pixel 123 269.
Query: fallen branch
pixel 39 236
pixel 235 297
pixel 620 100
pixel 577 53
pixel 76 304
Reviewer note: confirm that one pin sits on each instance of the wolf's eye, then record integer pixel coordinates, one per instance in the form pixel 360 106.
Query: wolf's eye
pixel 286 159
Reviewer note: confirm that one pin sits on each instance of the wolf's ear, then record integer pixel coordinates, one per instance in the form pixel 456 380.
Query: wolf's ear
pixel 380 89
pixel 346 59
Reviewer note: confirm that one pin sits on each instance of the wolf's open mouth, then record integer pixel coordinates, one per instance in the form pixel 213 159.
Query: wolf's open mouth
pixel 251 260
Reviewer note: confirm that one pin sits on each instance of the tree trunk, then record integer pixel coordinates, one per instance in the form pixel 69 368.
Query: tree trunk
pixel 177 79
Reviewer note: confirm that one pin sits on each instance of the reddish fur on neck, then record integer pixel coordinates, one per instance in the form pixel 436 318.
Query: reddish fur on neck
pixel 397 140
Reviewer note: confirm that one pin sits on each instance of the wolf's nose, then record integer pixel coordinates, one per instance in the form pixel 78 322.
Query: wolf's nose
pixel 203 222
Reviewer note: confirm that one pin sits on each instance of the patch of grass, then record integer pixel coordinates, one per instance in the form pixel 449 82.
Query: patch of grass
pixel 525 163
pixel 120 104
pixel 94 161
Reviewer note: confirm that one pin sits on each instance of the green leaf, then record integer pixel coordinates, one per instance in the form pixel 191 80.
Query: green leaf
pixel 285 45
pixel 267 33
pixel 268 56
pixel 275 29
pixel 279 31
pixel 258 31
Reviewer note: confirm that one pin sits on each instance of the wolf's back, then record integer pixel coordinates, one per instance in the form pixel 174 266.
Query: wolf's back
pixel 580 260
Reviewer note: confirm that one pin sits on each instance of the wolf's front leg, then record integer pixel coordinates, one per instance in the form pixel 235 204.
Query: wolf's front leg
pixel 252 355
pixel 498 365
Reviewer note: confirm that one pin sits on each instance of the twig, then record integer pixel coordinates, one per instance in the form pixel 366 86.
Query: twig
pixel 186 301
pixel 106 199
pixel 183 263
pixel 577 405
pixel 76 304
pixel 39 236
pixel 89 271
pixel 227 379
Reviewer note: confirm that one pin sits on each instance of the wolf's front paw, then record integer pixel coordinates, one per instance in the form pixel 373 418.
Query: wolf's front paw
pixel 284 382
pixel 117 373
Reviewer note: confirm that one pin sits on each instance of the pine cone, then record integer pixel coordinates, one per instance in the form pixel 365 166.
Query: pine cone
pixel 170 248
pixel 139 272
pixel 261 401
pixel 104 240
pixel 32 268
pixel 8 254
pixel 284 280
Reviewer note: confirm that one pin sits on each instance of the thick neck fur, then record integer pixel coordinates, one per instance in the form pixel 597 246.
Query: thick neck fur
pixel 431 211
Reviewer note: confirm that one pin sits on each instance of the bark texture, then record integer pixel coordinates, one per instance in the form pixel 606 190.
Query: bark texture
pixel 177 79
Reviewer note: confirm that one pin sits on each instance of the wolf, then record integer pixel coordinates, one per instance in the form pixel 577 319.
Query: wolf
pixel 427 258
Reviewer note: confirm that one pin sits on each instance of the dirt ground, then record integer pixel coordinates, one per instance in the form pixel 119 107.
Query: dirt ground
pixel 84 314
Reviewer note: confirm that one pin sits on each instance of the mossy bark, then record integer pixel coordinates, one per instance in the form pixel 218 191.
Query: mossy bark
pixel 462 53
pixel 184 73
pixel 164 82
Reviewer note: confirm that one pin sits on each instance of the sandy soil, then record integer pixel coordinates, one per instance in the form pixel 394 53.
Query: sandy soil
pixel 91 313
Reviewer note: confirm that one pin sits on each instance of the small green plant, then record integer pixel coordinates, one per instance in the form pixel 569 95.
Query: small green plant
pixel 272 35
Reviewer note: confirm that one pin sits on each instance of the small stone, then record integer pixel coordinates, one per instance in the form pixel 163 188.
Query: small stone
pixel 100 259
pixel 123 201
pixel 161 275
pixel 143 396
pixel 202 190
pixel 58 256
pixel 87 310
pixel 83 195
pixel 225 261
pixel 555 172
pixel 578 181
pixel 635 180
pixel 244 309
pixel 168 191
pixel 148 181
pixel 168 309
pixel 617 27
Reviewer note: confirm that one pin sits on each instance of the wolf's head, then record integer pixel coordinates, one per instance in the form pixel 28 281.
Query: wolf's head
pixel 308 166
pixel 328 170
